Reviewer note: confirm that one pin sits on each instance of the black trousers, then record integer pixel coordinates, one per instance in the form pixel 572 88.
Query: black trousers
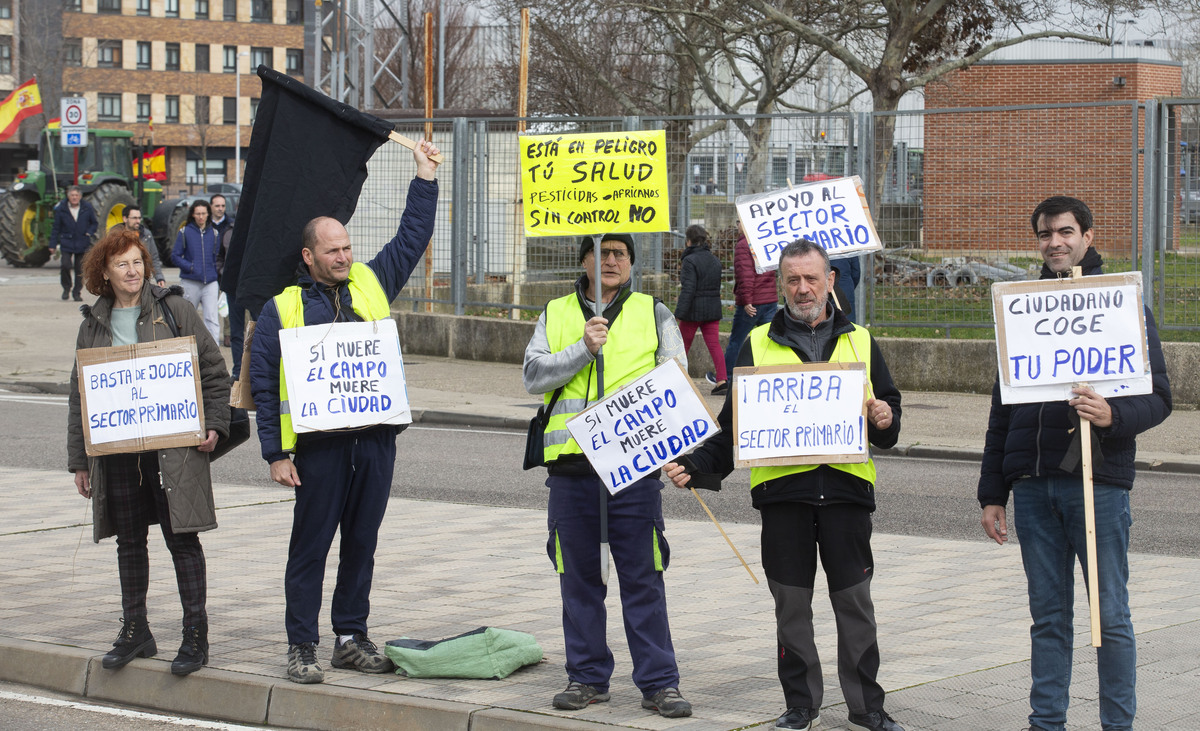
pixel 135 500
pixel 72 260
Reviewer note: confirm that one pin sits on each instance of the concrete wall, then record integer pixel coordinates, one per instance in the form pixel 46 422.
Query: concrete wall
pixel 956 366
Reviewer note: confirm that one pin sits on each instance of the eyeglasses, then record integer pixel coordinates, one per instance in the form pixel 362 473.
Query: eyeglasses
pixel 618 254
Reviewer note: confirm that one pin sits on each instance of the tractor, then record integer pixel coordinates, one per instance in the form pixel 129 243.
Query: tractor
pixel 105 176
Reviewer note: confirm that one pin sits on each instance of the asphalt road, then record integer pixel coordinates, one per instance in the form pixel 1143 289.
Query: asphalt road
pixel 919 497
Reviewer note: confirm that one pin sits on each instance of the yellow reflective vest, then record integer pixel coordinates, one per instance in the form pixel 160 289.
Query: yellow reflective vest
pixel 768 352
pixel 628 354
pixel 370 302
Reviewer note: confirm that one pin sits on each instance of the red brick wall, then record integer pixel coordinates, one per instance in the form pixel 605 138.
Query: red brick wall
pixel 986 171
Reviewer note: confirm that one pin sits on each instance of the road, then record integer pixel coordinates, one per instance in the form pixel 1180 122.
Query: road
pixel 919 497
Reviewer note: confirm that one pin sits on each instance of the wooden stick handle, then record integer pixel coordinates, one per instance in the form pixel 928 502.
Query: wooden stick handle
pixel 1089 520
pixel 723 535
pixel 395 136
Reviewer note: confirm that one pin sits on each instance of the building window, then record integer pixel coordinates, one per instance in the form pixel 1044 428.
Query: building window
pixel 172 110
pixel 172 57
pixel 108 54
pixel 197 174
pixel 109 7
pixel 201 105
pixel 171 8
pixel 73 52
pixel 260 11
pixel 108 108
pixel 260 57
pixel 295 12
pixel 254 113
pixel 143 108
pixel 230 64
pixel 202 54
pixel 230 110
pixel 295 61
pixel 5 9
pixel 143 7
pixel 5 54
pixel 143 55
pixel 230 9
pixel 75 6
pixel 202 9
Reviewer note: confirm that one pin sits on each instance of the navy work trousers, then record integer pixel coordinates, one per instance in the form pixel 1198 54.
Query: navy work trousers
pixel 639 554
pixel 344 482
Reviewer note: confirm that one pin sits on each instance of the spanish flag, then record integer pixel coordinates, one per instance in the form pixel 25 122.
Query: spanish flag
pixel 154 164
pixel 25 101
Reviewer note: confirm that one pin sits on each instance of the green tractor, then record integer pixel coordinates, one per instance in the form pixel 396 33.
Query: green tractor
pixel 105 178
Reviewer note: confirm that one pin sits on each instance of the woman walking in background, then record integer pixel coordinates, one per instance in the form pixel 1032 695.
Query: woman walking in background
pixel 195 253
pixel 699 303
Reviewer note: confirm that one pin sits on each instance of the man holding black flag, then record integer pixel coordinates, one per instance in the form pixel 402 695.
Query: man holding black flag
pixel 342 479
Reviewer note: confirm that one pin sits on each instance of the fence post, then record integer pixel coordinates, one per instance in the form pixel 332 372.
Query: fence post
pixel 481 212
pixel 634 124
pixel 460 176
pixel 1151 182
pixel 865 170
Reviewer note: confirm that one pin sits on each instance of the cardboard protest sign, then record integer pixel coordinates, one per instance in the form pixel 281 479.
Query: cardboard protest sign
pixel 344 375
pixel 583 184
pixel 136 398
pixel 642 426
pixel 1054 333
pixel 832 213
pixel 809 413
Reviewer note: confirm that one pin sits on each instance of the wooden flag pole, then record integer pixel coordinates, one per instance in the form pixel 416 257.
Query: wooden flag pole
pixel 1089 521
pixel 518 278
pixel 411 144
pixel 723 534
pixel 429 136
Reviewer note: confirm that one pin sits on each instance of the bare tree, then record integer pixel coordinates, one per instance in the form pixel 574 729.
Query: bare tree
pixel 41 54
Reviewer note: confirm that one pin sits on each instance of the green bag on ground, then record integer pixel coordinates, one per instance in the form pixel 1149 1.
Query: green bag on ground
pixel 487 653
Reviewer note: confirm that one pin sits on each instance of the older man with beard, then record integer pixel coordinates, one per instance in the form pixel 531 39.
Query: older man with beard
pixel 811 510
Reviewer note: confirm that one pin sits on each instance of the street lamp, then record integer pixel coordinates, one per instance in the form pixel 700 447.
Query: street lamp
pixel 237 118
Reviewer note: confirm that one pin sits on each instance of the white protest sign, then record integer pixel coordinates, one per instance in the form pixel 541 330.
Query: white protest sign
pixel 1054 333
pixel 140 397
pixel 642 426
pixel 810 413
pixel 345 375
pixel 832 213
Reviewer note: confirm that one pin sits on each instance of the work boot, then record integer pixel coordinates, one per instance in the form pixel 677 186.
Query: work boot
pixel 578 695
pixel 359 653
pixel 193 653
pixel 669 703
pixel 134 640
pixel 66 295
pixel 799 719
pixel 302 664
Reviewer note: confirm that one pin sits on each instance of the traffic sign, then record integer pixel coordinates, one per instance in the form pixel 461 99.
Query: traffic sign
pixel 73 119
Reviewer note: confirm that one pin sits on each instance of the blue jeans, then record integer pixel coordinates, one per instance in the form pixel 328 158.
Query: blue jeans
pixel 742 325
pixel 1050 523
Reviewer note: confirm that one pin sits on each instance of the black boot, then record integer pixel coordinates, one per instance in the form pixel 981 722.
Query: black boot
pixel 193 653
pixel 134 640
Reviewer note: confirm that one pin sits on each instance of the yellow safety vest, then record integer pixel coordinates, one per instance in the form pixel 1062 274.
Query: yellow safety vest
pixel 369 301
pixel 768 352
pixel 628 353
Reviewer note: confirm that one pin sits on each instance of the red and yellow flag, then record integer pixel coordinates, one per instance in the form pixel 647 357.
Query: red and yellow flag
pixel 154 164
pixel 25 101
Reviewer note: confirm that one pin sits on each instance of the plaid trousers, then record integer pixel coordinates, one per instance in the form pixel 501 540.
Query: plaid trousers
pixel 135 500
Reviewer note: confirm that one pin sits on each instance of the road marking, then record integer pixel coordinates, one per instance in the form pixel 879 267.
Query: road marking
pixel 32 398
pixel 138 715
pixel 467 431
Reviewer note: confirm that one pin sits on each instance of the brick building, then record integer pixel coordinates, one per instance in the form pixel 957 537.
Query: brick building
pixel 1078 134
pixel 177 63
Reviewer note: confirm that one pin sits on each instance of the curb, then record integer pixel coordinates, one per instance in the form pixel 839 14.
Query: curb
pixel 253 699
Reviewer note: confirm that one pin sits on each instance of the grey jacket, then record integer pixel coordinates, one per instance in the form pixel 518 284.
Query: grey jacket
pixel 184 470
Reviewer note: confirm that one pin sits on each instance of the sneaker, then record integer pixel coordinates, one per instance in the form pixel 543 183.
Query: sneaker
pixel 720 388
pixel 193 653
pixel 711 377
pixel 359 653
pixel 799 719
pixel 134 640
pixel 302 664
pixel 669 703
pixel 874 721
pixel 578 695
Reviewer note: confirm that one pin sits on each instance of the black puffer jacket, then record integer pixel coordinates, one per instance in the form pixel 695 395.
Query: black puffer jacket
pixel 699 285
pixel 1031 440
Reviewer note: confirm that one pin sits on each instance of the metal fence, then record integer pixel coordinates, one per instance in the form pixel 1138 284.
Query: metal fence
pixel 950 191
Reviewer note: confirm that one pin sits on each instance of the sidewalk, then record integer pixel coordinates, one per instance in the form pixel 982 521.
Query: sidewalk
pixel 953 621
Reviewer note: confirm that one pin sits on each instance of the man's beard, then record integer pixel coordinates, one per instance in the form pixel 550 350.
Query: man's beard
pixel 806 313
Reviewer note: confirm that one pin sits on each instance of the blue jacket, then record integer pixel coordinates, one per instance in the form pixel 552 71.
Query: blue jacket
pixel 195 253
pixel 392 266
pixel 1031 440
pixel 73 234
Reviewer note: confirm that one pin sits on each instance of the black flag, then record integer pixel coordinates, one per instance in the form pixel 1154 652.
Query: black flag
pixel 308 157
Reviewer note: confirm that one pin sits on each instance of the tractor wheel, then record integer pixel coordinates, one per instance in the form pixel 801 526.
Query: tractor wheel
pixel 18 230
pixel 110 201
pixel 175 224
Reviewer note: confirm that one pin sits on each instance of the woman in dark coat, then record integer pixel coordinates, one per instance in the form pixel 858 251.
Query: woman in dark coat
pixel 699 303
pixel 168 486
